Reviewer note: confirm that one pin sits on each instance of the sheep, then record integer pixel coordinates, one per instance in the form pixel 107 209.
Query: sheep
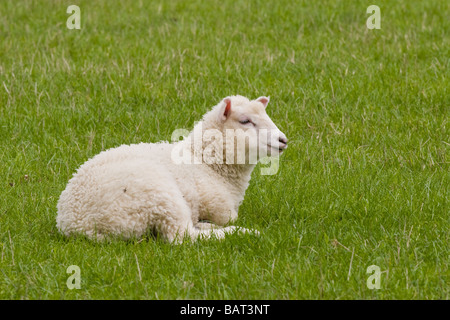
pixel 132 190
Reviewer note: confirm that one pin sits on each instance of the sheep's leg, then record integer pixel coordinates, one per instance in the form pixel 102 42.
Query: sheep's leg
pixel 204 225
pixel 177 224
pixel 212 231
pixel 209 231
pixel 209 226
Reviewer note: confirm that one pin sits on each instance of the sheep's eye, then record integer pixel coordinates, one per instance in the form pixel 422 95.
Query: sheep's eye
pixel 244 121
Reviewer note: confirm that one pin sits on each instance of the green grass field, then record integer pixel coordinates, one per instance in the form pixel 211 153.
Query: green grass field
pixel 365 180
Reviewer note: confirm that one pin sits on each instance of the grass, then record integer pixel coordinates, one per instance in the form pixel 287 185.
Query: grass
pixel 365 180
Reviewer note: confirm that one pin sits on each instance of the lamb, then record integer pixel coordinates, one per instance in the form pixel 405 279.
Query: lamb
pixel 132 190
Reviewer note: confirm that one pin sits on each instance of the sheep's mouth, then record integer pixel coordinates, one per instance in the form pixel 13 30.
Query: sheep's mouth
pixel 279 149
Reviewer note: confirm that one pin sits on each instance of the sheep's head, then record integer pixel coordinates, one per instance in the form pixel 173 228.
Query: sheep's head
pixel 248 130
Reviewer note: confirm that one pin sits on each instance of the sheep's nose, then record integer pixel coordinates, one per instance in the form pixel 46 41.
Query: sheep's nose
pixel 283 141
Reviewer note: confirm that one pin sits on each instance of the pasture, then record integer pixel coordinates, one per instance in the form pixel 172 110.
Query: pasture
pixel 364 181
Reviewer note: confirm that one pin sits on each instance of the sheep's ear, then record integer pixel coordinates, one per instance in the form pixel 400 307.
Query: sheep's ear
pixel 226 109
pixel 264 101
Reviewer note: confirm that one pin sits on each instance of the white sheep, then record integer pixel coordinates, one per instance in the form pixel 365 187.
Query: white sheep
pixel 131 190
